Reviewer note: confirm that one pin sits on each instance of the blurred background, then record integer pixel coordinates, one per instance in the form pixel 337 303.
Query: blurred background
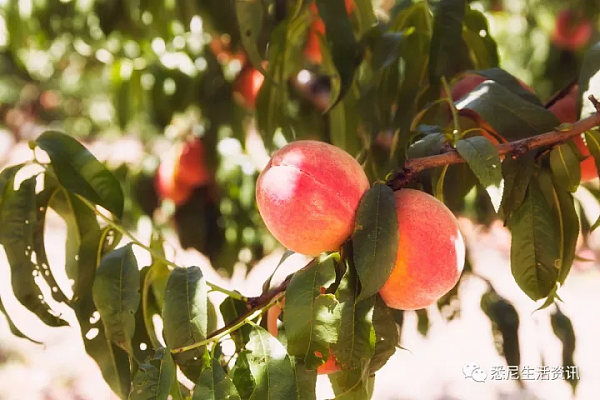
pixel 146 83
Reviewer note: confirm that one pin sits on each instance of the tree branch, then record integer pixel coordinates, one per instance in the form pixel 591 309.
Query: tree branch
pixel 413 167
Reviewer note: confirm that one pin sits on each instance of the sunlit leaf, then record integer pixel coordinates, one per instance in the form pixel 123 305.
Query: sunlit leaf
pixel 311 319
pixel 483 159
pixel 271 367
pixel 155 377
pixel 375 239
pixel 80 172
pixel 214 384
pixel 116 292
pixel 185 316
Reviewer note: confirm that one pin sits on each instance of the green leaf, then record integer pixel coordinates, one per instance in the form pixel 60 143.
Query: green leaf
pixel 345 52
pixel 352 384
pixel 306 381
pixel 154 379
pixel 565 167
pixel 386 50
pixel 43 200
pixel 509 82
pixel 144 341
pixel 508 114
pixel 250 21
pixel 356 340
pixel 93 244
pixel 375 239
pixel 232 309
pixel 423 323
pixel 563 329
pixel 386 335
pixel 534 250
pixel 517 173
pixel 483 48
pixel 285 58
pixel 242 377
pixel 428 145
pixel 80 172
pixel 185 317
pixel 18 222
pixel 159 271
pixel 311 319
pixel 214 384
pixel 568 226
pixel 446 39
pixel 483 159
pixel 271 367
pixel 343 123
pixel 589 80
pixel 592 140
pixel 505 323
pixel 116 293
pixel 366 15
pixel 111 359
pixel 81 221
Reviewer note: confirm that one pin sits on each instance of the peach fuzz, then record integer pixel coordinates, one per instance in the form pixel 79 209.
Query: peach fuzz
pixel 308 195
pixel 565 109
pixel 431 252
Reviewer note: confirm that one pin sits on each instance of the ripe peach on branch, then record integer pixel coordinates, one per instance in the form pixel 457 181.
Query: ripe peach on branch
pixel 308 195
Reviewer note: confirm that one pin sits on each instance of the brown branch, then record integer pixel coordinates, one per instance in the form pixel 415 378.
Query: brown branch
pixel 413 167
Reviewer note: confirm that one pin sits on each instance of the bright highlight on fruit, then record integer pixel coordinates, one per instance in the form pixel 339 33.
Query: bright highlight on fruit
pixel 431 252
pixel 308 195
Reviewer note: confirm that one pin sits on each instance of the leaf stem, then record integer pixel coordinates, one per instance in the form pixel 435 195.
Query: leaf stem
pixel 155 254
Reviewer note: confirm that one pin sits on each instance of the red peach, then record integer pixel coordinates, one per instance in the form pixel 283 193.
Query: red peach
pixel 308 194
pixel 191 168
pixel 431 252
pixel 247 85
pixel 168 186
pixel 572 30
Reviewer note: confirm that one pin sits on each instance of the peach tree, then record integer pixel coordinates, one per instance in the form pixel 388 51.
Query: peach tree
pixel 383 124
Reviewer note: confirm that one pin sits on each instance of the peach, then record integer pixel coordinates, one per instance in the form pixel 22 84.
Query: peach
pixel 572 30
pixel 247 85
pixel 181 170
pixel 565 110
pixel 431 252
pixel 308 194
pixel 168 186
pixel 191 168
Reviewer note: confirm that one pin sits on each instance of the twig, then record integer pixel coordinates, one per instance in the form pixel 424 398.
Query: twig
pixel 258 305
pixel 517 148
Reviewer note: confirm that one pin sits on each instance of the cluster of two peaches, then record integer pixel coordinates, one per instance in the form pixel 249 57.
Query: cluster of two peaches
pixel 308 195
